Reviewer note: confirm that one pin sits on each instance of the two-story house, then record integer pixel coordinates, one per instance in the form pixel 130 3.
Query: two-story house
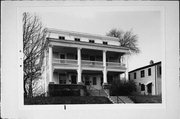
pixel 147 79
pixel 82 58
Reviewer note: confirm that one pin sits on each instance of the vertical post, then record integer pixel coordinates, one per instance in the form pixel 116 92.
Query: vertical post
pixel 45 73
pixel 79 71
pixel 104 69
pixel 127 67
pixel 50 64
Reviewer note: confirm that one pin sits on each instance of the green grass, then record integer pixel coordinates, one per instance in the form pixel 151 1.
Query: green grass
pixel 146 99
pixel 67 100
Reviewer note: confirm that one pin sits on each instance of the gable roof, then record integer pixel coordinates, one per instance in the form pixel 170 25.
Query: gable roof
pixel 80 34
pixel 145 67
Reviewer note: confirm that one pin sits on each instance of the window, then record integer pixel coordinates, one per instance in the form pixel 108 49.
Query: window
pixel 105 43
pixel 91 41
pixel 94 81
pixel 160 70
pixel 134 75
pixel 61 37
pixel 149 72
pixel 62 56
pixel 142 87
pixel 77 39
pixel 142 73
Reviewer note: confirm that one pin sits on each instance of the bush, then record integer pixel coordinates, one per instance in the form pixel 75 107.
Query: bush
pixel 119 87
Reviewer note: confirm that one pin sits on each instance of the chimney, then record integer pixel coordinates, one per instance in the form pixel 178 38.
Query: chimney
pixel 151 62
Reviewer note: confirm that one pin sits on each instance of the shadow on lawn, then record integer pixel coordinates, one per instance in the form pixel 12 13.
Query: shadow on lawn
pixel 146 99
pixel 67 100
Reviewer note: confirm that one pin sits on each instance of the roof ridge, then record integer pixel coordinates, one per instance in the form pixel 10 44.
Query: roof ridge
pixel 145 66
pixel 82 33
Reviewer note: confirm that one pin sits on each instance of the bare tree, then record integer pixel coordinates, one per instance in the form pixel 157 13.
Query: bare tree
pixel 33 46
pixel 126 39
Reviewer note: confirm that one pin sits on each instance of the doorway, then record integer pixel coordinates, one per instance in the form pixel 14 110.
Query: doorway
pixel 149 88
pixel 73 79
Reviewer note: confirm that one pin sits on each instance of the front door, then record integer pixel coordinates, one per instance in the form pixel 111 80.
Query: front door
pixel 87 82
pixel 73 79
pixel 149 88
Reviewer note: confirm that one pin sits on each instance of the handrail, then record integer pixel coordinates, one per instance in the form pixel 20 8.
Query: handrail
pixel 121 100
pixel 116 64
pixel 64 59
pixel 91 61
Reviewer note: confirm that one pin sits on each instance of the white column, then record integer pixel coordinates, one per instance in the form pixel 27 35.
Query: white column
pixel 104 69
pixel 45 73
pixel 127 67
pixel 50 64
pixel 79 71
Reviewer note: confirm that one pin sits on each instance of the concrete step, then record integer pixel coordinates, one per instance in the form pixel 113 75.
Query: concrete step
pixel 126 99
pixel 121 99
pixel 97 93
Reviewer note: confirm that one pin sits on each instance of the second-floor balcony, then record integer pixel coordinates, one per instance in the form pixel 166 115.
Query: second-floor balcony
pixel 88 64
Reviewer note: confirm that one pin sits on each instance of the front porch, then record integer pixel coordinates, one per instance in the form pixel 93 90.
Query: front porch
pixel 90 81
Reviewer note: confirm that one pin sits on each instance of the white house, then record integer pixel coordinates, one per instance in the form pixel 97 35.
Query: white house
pixel 147 79
pixel 82 58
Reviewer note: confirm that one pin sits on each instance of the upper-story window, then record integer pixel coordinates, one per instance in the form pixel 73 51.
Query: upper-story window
pixel 149 72
pixel 105 43
pixel 77 39
pixel 142 73
pixel 91 41
pixel 135 75
pixel 61 37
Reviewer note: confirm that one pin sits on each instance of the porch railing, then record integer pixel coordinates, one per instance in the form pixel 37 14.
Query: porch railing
pixel 87 62
pixel 64 61
pixel 91 63
pixel 115 64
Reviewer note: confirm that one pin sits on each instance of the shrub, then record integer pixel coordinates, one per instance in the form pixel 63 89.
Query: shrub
pixel 121 87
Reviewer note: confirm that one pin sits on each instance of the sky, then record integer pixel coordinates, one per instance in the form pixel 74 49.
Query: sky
pixel 146 24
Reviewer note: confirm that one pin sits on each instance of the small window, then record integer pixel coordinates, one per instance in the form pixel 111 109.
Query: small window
pixel 94 81
pixel 160 70
pixel 91 41
pixel 142 73
pixel 134 75
pixel 77 39
pixel 149 72
pixel 61 37
pixel 142 87
pixel 105 43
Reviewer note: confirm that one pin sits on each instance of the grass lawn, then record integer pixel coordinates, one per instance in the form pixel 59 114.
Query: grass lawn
pixel 67 100
pixel 146 99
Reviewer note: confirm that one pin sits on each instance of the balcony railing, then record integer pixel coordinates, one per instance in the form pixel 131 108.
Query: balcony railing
pixel 91 63
pixel 64 61
pixel 88 63
pixel 115 64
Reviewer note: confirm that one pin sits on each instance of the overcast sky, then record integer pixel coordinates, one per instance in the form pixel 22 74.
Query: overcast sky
pixel 146 24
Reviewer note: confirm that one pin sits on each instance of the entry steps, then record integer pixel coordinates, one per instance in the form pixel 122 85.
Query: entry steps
pixel 97 92
pixel 113 99
pixel 121 99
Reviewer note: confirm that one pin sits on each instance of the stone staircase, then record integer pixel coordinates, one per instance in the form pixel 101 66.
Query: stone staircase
pixel 96 92
pixel 113 99
pixel 121 99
